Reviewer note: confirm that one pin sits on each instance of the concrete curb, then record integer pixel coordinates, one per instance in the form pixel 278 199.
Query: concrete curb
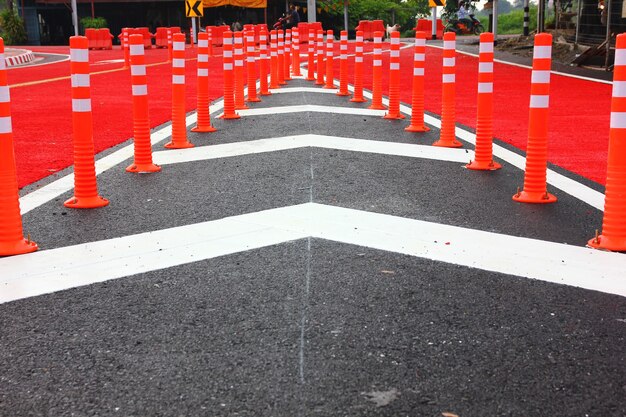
pixel 23 56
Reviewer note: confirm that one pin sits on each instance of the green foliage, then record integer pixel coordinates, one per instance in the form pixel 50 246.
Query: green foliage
pixel 12 27
pixel 93 22
pixel 512 23
pixel 405 12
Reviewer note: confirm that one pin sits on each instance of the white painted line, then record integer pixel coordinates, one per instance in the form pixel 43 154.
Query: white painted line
pixel 580 191
pixel 288 90
pixel 513 64
pixel 50 191
pixel 572 187
pixel 547 261
pixel 311 140
pixel 63 268
pixel 311 108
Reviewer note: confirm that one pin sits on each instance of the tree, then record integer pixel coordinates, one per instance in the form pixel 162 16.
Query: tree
pixel 12 25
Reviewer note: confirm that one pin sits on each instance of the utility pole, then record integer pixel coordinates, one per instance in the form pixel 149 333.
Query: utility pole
pixel 311 11
pixel 75 17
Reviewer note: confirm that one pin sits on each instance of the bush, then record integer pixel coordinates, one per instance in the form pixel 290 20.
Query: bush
pixel 512 23
pixel 13 31
pixel 93 22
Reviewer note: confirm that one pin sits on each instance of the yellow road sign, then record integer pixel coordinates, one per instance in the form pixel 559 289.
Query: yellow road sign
pixel 194 8
pixel 435 3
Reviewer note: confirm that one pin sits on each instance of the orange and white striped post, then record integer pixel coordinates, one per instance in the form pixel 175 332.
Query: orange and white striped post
pixel 358 69
pixel 330 50
pixel 287 62
pixel 141 120
pixel 179 125
pixel 203 112
pixel 320 68
pixel 483 159
pixel 126 48
pixel 394 78
pixel 417 100
pixel 447 136
pixel 169 45
pixel 295 64
pixel 263 63
pixel 310 72
pixel 85 183
pixel 274 83
pixel 377 73
pixel 343 64
pixel 12 240
pixel 251 61
pixel 613 235
pixel 229 78
pixel 281 58
pixel 239 73
pixel 535 175
pixel 209 31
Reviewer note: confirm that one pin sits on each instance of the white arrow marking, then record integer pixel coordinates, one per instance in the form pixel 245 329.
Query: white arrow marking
pixel 63 268
pixel 310 140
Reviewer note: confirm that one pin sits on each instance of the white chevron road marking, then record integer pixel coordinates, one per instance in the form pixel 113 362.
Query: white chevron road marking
pixel 301 108
pixel 68 267
pixel 311 140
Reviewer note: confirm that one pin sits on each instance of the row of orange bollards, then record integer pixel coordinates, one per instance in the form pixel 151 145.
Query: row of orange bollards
pixel 282 64
pixel 535 173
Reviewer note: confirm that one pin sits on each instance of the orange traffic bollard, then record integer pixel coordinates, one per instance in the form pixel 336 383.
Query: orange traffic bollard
pixel 125 47
pixel 209 32
pixel 85 183
pixel 251 61
pixel 483 159
pixel 295 46
pixel 229 78
pixel 417 100
pixel 169 45
pixel 535 183
pixel 12 240
pixel 330 50
pixel 343 64
pixel 239 73
pixel 274 60
pixel 320 68
pixel 447 136
pixel 263 64
pixel 179 125
pixel 394 78
pixel 377 73
pixel 287 62
pixel 358 69
pixel 310 72
pixel 613 235
pixel 141 120
pixel 281 58
pixel 202 97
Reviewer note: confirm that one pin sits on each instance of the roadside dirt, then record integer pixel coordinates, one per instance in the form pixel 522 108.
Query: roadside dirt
pixel 562 51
